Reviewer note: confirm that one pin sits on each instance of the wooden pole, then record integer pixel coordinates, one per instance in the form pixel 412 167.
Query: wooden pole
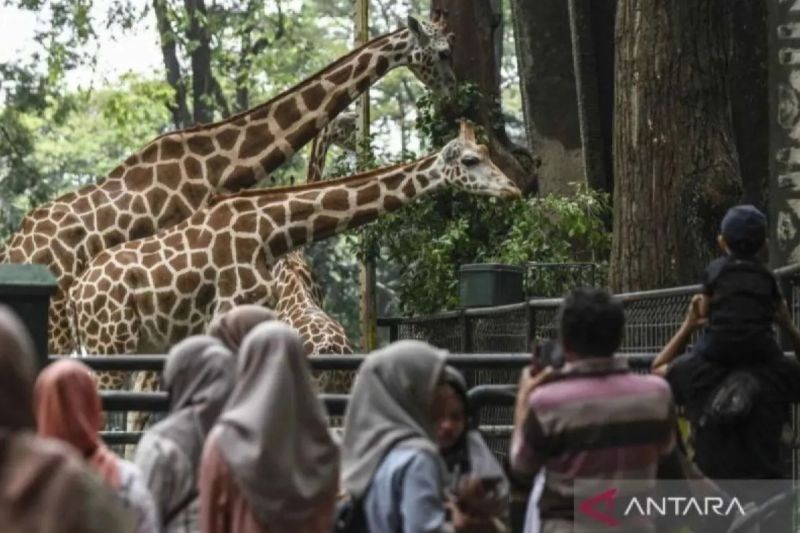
pixel 366 277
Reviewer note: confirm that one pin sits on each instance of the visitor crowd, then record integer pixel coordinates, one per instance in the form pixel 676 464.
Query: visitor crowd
pixel 246 446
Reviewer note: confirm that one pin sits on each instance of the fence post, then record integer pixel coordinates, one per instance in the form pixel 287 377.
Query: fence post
pixel 393 329
pixel 530 321
pixel 466 337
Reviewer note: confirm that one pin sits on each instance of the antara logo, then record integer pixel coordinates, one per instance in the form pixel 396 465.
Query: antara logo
pixel 602 507
pixel 682 506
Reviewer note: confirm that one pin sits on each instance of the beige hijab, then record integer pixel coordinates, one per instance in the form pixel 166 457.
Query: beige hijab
pixel 390 404
pixel 273 434
pixel 232 327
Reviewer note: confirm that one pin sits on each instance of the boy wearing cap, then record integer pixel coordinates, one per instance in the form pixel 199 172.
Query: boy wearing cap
pixel 740 295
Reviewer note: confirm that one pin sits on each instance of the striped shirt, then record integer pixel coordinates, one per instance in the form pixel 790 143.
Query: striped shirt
pixel 598 421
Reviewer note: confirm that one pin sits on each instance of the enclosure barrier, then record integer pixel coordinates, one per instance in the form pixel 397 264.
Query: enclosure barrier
pixel 652 317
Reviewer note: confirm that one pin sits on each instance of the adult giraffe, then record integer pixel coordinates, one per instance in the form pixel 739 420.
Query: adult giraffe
pixel 298 296
pixel 172 176
pixel 145 295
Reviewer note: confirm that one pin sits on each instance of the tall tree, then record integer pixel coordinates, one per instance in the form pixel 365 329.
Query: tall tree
pixel 475 24
pixel 750 98
pixel 675 159
pixel 547 86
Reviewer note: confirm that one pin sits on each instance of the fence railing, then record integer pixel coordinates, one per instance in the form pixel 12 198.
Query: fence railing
pixel 652 317
pixel 492 401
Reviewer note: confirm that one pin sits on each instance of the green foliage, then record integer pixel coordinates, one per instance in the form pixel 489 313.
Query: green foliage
pixel 436 235
pixel 63 143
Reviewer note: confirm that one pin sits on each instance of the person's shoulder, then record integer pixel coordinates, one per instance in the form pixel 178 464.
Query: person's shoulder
pixel 650 382
pixel 716 266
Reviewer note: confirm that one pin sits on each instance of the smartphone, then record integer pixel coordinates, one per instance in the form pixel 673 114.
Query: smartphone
pixel 546 353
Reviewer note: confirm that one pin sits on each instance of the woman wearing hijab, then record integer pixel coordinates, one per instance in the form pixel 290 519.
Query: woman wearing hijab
pixel 390 462
pixel 473 471
pixel 233 326
pixel 199 376
pixel 44 486
pixel 68 408
pixel 269 464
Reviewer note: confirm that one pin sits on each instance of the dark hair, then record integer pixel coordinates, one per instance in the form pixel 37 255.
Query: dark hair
pixel 456 380
pixel 744 228
pixel 591 323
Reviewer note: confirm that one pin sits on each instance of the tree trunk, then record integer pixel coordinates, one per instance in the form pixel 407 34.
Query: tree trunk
pixel 203 90
pixel 675 160
pixel 587 94
pixel 547 84
pixel 180 113
pixel 474 59
pixel 750 98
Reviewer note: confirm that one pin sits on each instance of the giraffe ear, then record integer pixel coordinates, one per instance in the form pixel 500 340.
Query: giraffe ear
pixel 415 26
pixel 467 133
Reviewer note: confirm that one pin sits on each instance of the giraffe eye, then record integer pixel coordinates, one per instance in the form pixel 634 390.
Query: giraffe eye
pixel 470 160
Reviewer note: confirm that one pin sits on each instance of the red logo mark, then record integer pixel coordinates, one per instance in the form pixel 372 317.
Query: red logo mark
pixel 600 507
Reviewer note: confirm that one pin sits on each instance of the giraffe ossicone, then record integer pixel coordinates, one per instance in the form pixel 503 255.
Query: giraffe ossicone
pixel 166 181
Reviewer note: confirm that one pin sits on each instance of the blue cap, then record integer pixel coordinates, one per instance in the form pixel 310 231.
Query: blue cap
pixel 745 229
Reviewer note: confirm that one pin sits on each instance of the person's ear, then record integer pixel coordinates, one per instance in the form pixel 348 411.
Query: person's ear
pixel 721 243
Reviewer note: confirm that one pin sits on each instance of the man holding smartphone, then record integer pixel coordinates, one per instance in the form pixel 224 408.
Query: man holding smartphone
pixel 591 418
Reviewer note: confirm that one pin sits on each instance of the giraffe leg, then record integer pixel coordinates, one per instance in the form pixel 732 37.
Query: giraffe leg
pixel 143 382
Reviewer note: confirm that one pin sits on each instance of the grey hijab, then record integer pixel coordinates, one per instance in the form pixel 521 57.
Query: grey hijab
pixel 199 375
pixel 273 434
pixel 390 404
pixel 17 373
pixel 233 326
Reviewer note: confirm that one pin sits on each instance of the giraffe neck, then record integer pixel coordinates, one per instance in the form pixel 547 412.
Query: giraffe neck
pixel 237 152
pixel 296 286
pixel 288 218
pixel 316 159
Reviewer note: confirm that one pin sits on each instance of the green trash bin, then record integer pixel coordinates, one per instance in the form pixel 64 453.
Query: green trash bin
pixel 490 284
pixel 26 289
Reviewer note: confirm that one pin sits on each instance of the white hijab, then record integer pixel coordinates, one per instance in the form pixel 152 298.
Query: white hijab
pixel 390 404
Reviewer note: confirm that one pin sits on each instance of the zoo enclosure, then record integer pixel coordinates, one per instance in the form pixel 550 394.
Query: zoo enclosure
pixel 652 317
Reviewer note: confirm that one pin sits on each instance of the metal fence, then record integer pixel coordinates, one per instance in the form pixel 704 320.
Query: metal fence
pixel 652 317
pixel 549 280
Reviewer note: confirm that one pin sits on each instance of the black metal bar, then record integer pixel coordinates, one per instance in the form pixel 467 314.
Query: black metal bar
pixel 464 337
pixel 345 362
pixel 134 401
pixel 530 324
pixel 124 363
pixel 494 395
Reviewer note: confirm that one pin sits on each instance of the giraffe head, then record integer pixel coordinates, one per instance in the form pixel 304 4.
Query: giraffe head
pixel 466 166
pixel 343 130
pixel 430 55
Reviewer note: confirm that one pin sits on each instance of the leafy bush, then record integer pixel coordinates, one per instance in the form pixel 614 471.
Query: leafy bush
pixel 432 238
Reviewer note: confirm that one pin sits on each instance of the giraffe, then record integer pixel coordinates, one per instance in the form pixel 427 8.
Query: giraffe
pixel 168 179
pixel 147 294
pixel 340 132
pixel 299 297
